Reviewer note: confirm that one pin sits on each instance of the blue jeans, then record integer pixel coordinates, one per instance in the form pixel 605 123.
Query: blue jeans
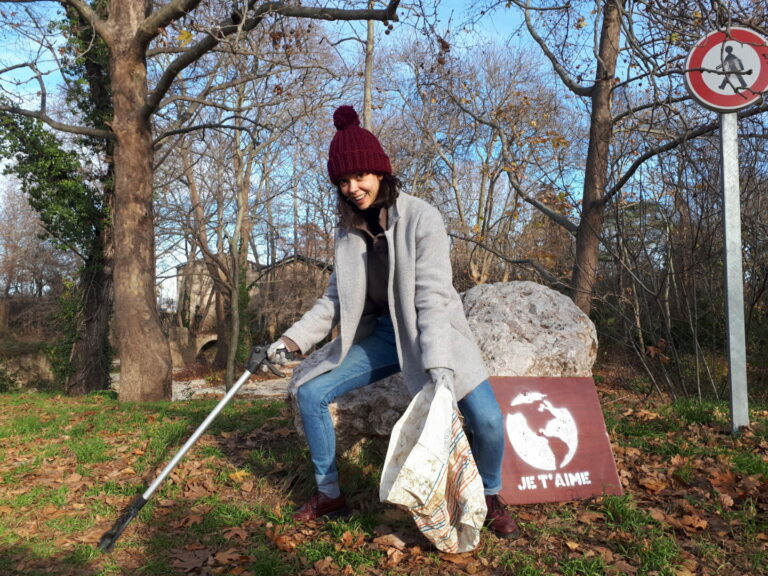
pixel 370 360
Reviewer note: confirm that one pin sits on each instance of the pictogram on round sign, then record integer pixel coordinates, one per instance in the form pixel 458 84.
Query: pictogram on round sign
pixel 728 70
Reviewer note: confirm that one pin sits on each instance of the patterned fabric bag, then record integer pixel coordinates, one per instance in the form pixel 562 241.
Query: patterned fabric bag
pixel 430 471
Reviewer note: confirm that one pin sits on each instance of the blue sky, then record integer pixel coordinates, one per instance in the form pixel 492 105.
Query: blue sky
pixel 500 23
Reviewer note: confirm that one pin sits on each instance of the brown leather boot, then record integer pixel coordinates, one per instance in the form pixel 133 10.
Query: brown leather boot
pixel 321 506
pixel 498 520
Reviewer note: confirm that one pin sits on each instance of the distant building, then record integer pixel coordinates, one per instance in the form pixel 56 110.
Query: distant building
pixel 279 294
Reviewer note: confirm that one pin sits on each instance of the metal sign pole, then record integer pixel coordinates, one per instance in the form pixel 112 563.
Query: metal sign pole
pixel 734 276
pixel 725 71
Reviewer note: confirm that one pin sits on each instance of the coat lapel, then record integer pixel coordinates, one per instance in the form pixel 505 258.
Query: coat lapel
pixel 351 270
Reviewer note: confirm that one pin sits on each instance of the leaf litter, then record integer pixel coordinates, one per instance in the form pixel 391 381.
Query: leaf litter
pixel 713 511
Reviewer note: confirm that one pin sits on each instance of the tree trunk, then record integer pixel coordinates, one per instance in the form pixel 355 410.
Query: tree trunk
pixel 91 351
pixel 90 357
pixel 596 171
pixel 234 331
pixel 223 320
pixel 368 73
pixel 145 357
pixel 587 252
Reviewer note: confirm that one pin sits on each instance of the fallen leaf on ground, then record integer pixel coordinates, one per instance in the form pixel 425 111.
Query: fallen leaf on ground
pixel 458 559
pixel 239 476
pixel 351 540
pixel 390 540
pixel 725 500
pixel 235 532
pixel 227 556
pixel 325 565
pixel 604 553
pixel 190 559
pixel 394 556
pixel 693 523
pixel 621 567
pixel 589 516
pixel 188 520
pixel 653 484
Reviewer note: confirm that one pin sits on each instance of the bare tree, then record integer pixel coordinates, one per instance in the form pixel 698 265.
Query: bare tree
pixel 634 52
pixel 29 265
pixel 129 31
pixel 473 117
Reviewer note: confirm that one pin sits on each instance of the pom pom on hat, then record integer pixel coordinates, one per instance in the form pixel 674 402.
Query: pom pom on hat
pixel 345 116
pixel 353 148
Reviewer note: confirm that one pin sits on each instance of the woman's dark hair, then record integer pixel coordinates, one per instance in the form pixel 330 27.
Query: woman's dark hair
pixel 351 217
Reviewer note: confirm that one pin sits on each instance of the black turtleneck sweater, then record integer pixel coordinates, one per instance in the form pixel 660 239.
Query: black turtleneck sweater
pixel 377 278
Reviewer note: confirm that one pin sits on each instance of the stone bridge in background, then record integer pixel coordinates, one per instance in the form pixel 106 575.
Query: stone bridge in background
pixel 187 346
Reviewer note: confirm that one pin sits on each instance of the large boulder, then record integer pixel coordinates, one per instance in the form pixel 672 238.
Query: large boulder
pixel 526 329
pixel 522 328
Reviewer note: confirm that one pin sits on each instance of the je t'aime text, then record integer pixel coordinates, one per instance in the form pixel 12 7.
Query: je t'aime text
pixel 555 480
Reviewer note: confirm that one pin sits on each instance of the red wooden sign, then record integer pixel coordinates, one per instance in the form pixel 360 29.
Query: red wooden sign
pixel 728 70
pixel 557 446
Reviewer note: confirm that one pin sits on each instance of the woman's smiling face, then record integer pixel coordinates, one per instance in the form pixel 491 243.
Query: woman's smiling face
pixel 360 188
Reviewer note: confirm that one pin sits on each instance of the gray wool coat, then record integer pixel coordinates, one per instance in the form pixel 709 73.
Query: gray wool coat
pixel 427 313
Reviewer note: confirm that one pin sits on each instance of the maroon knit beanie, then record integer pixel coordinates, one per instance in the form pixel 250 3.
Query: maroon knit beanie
pixel 354 149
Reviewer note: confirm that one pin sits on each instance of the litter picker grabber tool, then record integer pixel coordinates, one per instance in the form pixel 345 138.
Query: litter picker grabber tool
pixel 257 360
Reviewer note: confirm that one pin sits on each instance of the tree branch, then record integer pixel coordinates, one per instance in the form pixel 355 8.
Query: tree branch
pixel 89 15
pixel 652 105
pixel 569 82
pixel 157 21
pixel 56 125
pixel 556 217
pixel 540 270
pixel 228 28
pixel 196 127
pixel 671 144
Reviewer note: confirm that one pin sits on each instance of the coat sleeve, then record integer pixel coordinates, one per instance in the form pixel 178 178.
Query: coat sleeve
pixel 318 321
pixel 435 296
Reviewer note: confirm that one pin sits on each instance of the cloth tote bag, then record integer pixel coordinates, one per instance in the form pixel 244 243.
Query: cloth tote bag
pixel 429 470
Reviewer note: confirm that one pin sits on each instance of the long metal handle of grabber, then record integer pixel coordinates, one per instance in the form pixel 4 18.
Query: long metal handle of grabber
pixel 109 538
pixel 195 436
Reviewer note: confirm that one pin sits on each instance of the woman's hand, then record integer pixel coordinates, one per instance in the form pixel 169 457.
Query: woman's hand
pixel 276 352
pixel 443 377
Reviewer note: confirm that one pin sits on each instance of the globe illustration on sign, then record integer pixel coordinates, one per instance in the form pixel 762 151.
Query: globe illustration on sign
pixel 544 436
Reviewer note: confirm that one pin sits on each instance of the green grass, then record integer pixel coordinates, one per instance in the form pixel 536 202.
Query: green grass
pixel 583 566
pixel 621 512
pixel 98 437
pixel 696 431
pixel 23 425
pixel 111 488
pixel 749 464
pixel 210 452
pixel 520 563
pixel 90 450
pixel 81 555
pixel 270 562
pixel 65 525
pixel 38 497
pixel 355 559
pixel 8 535
pixel 647 541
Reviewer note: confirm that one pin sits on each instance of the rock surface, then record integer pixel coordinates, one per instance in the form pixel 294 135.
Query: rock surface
pixel 526 329
pixel 522 328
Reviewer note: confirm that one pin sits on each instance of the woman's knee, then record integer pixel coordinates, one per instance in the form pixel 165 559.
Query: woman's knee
pixel 488 421
pixel 308 396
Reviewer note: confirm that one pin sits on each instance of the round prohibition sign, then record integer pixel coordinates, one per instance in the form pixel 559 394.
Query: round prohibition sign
pixel 726 71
